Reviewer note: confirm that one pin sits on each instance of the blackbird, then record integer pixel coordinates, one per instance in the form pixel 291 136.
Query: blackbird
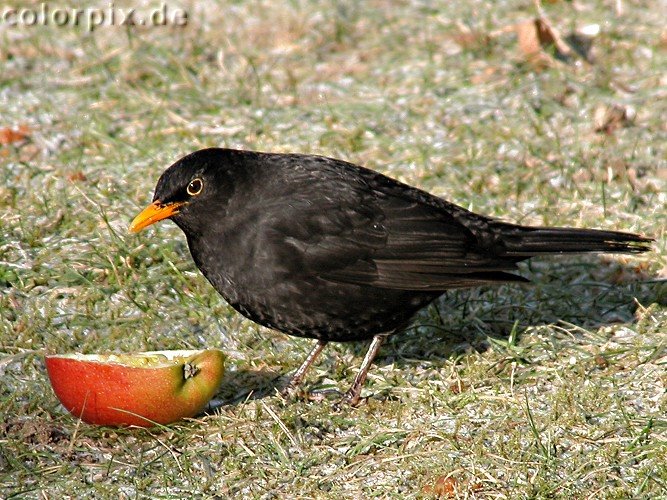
pixel 325 249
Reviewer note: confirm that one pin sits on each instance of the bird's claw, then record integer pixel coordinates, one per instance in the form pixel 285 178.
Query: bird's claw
pixel 322 394
pixel 349 398
pixel 292 392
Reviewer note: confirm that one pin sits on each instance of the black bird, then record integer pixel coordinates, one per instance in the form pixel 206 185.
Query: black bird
pixel 322 248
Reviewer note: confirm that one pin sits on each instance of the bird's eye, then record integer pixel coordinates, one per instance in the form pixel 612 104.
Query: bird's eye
pixel 195 186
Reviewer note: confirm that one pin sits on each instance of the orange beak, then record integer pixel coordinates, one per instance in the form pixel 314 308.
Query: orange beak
pixel 154 212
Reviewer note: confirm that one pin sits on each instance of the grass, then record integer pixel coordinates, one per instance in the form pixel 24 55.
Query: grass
pixel 550 390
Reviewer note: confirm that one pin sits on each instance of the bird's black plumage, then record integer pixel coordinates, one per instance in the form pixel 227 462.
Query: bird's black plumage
pixel 322 248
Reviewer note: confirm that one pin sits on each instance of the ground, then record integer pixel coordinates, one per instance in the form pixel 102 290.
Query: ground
pixel 549 390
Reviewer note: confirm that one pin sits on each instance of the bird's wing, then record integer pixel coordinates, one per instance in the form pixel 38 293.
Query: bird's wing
pixel 367 237
pixel 425 249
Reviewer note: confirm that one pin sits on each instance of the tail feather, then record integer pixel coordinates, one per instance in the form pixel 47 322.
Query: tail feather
pixel 523 241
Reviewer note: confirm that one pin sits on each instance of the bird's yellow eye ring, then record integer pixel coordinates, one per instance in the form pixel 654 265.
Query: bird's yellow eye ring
pixel 195 187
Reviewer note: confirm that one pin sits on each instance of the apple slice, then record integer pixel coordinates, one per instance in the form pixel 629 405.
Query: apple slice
pixel 144 389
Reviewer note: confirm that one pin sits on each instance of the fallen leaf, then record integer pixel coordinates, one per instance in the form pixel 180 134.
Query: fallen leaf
pixel 600 361
pixel 443 486
pixel 616 168
pixel 467 38
pixel 582 175
pixel 631 274
pixel 483 77
pixel 458 387
pixel 608 119
pixel 536 35
pixel 11 136
pixel 529 39
pixel 531 162
pixel 77 176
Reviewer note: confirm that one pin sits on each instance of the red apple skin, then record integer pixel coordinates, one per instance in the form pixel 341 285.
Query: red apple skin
pixel 113 394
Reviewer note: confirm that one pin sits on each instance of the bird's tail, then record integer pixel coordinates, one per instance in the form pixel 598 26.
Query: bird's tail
pixel 524 241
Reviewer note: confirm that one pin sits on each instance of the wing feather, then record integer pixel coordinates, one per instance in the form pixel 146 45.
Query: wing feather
pixel 379 237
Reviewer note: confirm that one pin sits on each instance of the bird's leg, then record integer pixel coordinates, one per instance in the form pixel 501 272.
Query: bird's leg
pixel 297 378
pixel 352 396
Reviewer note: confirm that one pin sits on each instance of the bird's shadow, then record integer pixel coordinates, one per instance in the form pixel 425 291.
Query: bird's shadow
pixel 588 293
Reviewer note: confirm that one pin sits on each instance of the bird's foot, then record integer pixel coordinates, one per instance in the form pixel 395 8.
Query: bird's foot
pixel 293 392
pixel 342 400
pixel 322 394
pixel 351 398
pixel 293 389
pixel 296 392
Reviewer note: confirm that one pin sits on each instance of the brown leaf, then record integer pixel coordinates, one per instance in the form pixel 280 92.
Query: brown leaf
pixel 582 175
pixel 600 361
pixel 443 486
pixel 529 38
pixel 10 136
pixel 536 35
pixel 77 176
pixel 467 38
pixel 458 387
pixel 631 274
pixel 608 119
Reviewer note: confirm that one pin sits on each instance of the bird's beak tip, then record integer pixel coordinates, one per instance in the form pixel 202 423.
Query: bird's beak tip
pixel 153 213
pixel 133 228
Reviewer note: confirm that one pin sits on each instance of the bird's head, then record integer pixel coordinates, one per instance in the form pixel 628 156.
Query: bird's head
pixel 190 191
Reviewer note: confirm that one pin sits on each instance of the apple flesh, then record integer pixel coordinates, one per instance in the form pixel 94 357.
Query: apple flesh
pixel 144 389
